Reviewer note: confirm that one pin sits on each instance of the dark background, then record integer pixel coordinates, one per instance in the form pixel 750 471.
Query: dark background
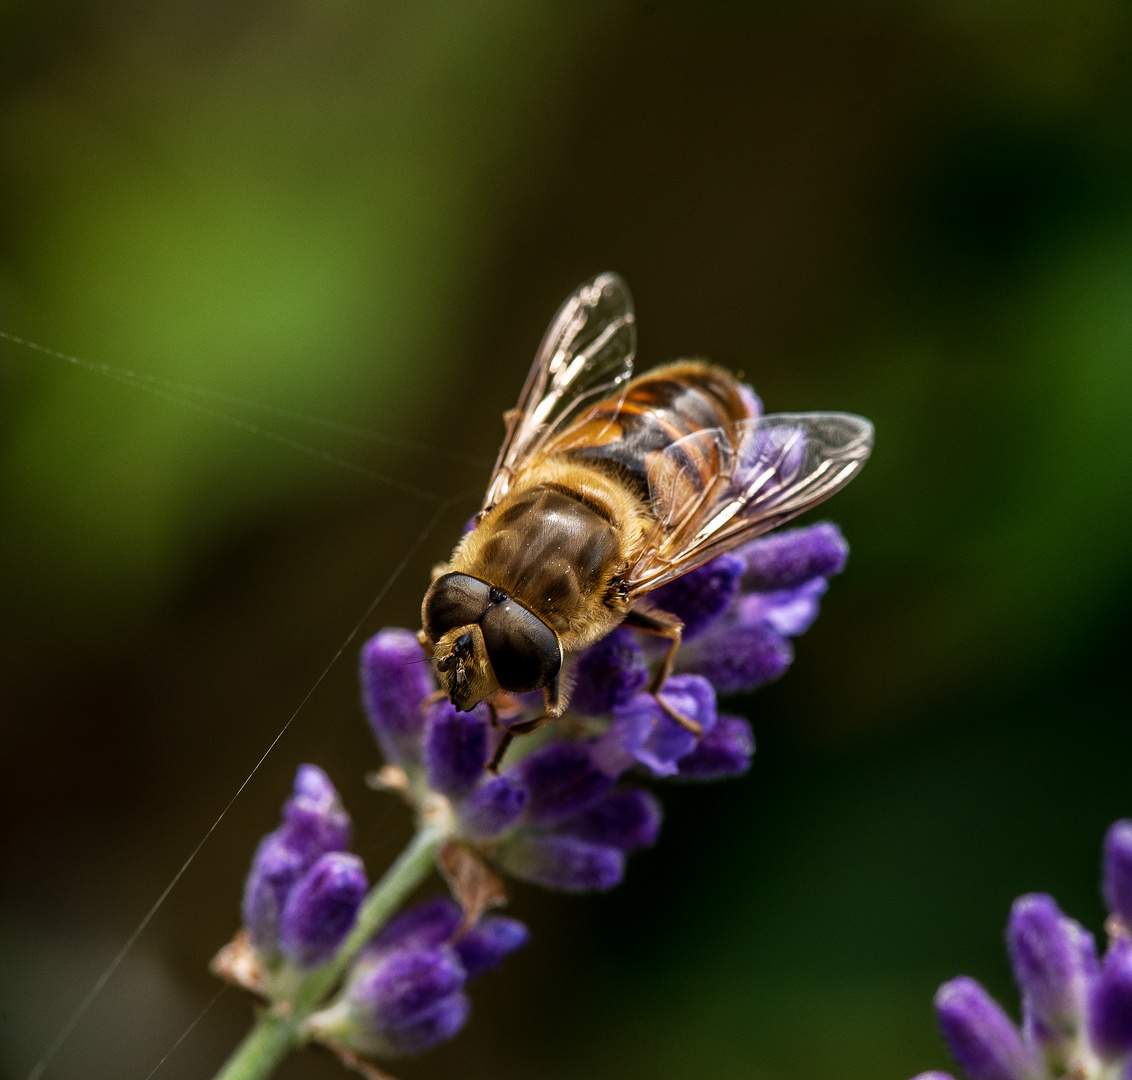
pixel 367 213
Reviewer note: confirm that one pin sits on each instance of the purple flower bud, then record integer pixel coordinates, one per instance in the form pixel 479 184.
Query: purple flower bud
pixel 430 1027
pixel 786 559
pixel 321 909
pixel 312 783
pixel 455 748
pixel 563 779
pixel 609 673
pixel 487 943
pixel 789 611
pixel 396 679
pixel 724 751
pixel 933 1075
pixel 494 806
pixel 1110 1003
pixel 314 821
pixel 627 819
pixel 1046 953
pixel 275 869
pixel 423 926
pixel 410 999
pixel 701 596
pixel 560 861
pixel 642 732
pixel 980 1036
pixel 735 658
pixel 1118 870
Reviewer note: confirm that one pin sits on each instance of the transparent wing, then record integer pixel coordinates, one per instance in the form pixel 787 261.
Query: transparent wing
pixel 586 354
pixel 713 491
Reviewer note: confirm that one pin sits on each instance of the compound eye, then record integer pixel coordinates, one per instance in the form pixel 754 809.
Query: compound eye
pixel 524 652
pixel 453 600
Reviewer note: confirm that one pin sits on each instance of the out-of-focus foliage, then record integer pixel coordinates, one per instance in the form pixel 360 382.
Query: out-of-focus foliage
pixel 368 214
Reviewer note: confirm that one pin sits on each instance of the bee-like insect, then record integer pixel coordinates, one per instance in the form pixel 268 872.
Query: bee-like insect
pixel 605 488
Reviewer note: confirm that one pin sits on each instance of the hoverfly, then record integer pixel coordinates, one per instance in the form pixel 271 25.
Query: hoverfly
pixel 607 487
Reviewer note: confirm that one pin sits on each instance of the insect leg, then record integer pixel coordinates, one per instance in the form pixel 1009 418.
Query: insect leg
pixel 552 701
pixel 525 728
pixel 667 626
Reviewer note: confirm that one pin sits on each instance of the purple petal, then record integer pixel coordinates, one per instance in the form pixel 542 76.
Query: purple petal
pixel 627 819
pixel 403 987
pixel 980 1036
pixel 1046 953
pixel 321 909
pixel 314 821
pixel 455 748
pixel 1118 870
pixel 644 733
pixel 1110 1003
pixel 275 869
pixel 430 1027
pixel 562 779
pixel 609 673
pixel 786 559
pixel 702 595
pixel 724 751
pixel 396 679
pixel 563 862
pixel 487 943
pixel 494 806
pixel 789 611
pixel 311 782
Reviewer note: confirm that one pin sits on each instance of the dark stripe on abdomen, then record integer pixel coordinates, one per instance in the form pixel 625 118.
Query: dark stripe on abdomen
pixel 656 412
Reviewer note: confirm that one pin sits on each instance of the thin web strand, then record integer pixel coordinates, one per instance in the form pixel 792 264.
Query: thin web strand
pixel 170 391
pixel 352 430
pixel 65 1032
pixel 188 1031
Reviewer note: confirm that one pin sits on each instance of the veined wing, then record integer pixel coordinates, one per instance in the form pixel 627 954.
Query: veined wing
pixel 712 491
pixel 586 354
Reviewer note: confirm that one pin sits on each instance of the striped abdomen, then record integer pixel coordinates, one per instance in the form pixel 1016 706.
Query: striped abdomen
pixel 623 434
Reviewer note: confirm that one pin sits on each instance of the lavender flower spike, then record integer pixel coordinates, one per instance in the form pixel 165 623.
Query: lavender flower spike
pixel 980 1035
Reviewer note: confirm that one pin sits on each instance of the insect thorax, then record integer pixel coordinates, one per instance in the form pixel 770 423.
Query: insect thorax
pixel 556 546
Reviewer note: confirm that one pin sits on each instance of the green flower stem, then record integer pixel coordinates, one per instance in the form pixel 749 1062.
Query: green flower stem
pixel 277 1031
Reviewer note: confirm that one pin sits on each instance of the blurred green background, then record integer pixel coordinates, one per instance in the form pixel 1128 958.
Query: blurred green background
pixel 367 213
